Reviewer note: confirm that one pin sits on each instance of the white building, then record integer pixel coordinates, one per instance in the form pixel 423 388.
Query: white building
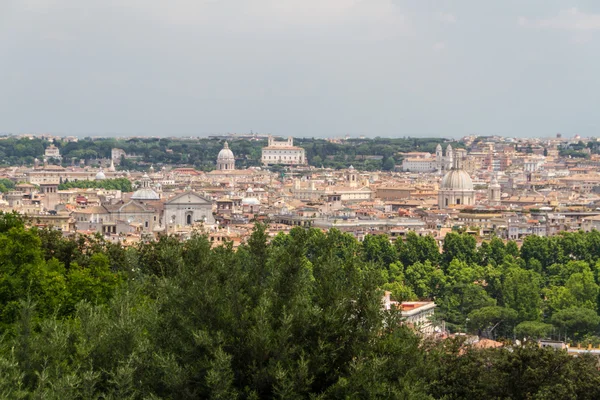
pixel 494 192
pixel 425 164
pixel 428 163
pixel 52 152
pixel 187 209
pixel 417 314
pixel 283 153
pixel 532 165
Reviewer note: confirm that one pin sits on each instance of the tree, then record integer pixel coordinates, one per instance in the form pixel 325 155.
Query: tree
pixel 584 289
pixel 425 280
pixel 417 248
pixel 388 164
pixel 533 330
pixel 521 292
pixel 459 246
pixel 576 321
pixel 378 249
pixel 486 319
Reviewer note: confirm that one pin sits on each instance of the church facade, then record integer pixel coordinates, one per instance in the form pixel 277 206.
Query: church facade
pixel 187 209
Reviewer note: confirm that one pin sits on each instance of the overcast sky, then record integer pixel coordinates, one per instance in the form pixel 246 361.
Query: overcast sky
pixel 300 67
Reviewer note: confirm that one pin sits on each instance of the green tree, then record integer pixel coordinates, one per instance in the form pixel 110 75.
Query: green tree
pixel 486 319
pixel 521 292
pixel 425 280
pixel 533 330
pixel 576 321
pixel 378 249
pixel 459 246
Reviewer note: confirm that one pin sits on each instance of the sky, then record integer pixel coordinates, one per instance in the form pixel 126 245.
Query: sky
pixel 306 68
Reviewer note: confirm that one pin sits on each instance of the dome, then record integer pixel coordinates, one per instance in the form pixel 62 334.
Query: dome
pixel 100 176
pixel 225 154
pixel 457 179
pixel 145 194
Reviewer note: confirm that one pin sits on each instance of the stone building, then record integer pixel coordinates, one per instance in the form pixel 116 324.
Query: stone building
pixel 283 153
pixel 456 188
pixel 225 159
pixel 187 209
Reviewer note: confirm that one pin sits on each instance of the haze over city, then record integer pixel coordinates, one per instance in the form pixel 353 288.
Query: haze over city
pixel 303 67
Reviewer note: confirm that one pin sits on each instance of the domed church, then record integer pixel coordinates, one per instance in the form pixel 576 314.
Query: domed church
pixel 225 159
pixel 457 187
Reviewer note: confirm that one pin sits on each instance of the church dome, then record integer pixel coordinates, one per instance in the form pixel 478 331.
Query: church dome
pixel 457 179
pixel 145 194
pixel 100 176
pixel 225 154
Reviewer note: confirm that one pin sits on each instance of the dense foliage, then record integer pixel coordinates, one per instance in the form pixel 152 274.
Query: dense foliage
pixel 299 317
pixel 6 185
pixel 547 288
pixel 365 154
pixel 122 184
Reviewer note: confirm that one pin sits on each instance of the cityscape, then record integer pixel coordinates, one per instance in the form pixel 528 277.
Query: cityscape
pixel 299 199
pixel 484 186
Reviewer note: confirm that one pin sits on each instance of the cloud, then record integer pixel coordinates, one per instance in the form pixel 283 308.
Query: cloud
pixel 572 19
pixel 439 46
pixel 271 12
pixel 448 18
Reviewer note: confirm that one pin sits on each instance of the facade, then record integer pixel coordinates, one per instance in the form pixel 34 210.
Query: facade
pixel 119 218
pixel 416 314
pixel 427 163
pixel 283 153
pixel 116 155
pixel 187 209
pixel 52 152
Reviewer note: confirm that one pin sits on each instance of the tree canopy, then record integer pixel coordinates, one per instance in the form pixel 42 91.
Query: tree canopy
pixel 299 316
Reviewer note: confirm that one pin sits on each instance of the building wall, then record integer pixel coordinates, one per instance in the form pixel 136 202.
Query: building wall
pixel 447 198
pixel 283 156
pixel 424 165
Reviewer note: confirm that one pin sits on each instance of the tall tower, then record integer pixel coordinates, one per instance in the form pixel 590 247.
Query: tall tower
pixel 439 157
pixel 449 159
pixel 352 177
pixel 494 192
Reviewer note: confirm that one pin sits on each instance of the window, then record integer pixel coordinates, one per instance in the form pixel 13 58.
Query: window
pixel 188 219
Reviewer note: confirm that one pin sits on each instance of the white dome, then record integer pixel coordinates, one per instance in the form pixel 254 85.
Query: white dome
pixel 457 179
pixel 100 176
pixel 145 194
pixel 225 154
